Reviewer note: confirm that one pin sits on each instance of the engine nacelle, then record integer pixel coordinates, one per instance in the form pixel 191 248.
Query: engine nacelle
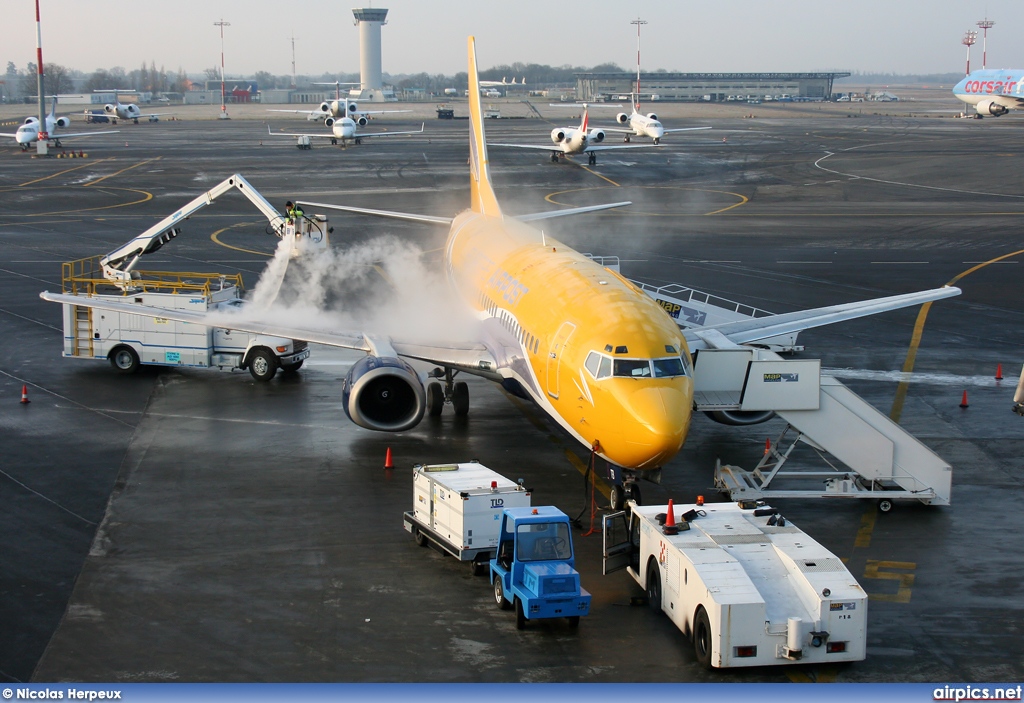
pixel 352 107
pixel 652 116
pixel 991 107
pixel 329 121
pixel 596 136
pixel 30 120
pixel 325 107
pixel 557 135
pixel 63 122
pixel 362 121
pixel 110 109
pixel 384 393
pixel 740 417
pixel 622 118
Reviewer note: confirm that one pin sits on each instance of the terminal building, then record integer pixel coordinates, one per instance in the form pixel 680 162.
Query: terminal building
pixel 716 87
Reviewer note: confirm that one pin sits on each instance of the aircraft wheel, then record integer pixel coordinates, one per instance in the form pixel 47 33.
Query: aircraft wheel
pixel 593 159
pixel 460 398
pixel 618 498
pixel 554 158
pixel 435 399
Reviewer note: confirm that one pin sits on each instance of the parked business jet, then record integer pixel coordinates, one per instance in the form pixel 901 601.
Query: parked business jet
pixel 569 141
pixel 337 109
pixel 28 132
pixel 344 129
pixel 130 111
pixel 644 125
pixel 599 356
pixel 503 81
pixel 993 92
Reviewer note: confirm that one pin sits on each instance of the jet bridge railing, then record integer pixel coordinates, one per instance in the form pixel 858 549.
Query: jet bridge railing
pixel 690 295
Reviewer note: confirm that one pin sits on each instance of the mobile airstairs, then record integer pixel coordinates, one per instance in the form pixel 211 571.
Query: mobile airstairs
pixel 867 454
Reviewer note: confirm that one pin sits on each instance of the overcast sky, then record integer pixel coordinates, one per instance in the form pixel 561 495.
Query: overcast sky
pixel 901 36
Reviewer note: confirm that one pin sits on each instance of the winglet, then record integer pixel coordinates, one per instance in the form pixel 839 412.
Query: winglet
pixel 483 200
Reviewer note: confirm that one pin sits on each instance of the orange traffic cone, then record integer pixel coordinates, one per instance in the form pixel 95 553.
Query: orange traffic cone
pixel 387 460
pixel 999 372
pixel 767 446
pixel 963 402
pixel 24 395
pixel 669 528
pixel 700 500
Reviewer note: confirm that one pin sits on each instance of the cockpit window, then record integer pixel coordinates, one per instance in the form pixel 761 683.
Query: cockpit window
pixel 606 367
pixel 633 368
pixel 673 366
pixel 592 363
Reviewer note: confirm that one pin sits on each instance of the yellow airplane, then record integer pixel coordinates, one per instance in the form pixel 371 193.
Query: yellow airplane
pixel 596 353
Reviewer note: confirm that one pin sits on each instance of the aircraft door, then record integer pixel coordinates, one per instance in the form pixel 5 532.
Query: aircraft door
pixel 555 353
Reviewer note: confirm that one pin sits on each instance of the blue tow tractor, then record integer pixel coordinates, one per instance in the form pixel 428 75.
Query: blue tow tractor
pixel 533 570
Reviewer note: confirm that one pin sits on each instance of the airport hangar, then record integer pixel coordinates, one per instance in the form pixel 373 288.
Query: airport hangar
pixel 599 87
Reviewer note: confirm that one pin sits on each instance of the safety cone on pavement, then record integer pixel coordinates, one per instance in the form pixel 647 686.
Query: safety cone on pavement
pixel 24 395
pixel 387 460
pixel 767 446
pixel 963 402
pixel 669 528
pixel 999 372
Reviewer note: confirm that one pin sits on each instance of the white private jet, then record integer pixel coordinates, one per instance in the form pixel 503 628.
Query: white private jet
pixel 343 129
pixel 337 109
pixel 127 111
pixel 576 140
pixel 641 125
pixel 28 132
pixel 503 81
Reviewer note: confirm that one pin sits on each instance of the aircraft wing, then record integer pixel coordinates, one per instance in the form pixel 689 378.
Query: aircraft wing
pixel 1008 101
pixel 679 129
pixel 471 357
pixel 12 135
pixel 377 112
pixel 64 135
pixel 317 135
pixel 309 113
pixel 746 331
pixel 606 147
pixel 550 147
pixel 364 135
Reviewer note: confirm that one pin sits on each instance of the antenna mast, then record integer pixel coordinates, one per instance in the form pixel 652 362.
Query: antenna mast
pixel 223 109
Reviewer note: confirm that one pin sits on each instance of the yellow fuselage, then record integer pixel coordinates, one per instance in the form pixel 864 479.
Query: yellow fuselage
pixel 548 307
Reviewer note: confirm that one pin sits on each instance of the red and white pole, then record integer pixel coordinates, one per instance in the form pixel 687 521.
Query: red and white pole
pixel 43 135
pixel 223 109
pixel 637 22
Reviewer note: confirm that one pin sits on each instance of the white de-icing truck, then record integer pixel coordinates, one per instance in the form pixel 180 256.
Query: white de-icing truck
pixel 129 339
pixel 458 507
pixel 748 586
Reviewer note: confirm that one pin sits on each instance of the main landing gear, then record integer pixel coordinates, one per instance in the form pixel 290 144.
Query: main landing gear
pixel 554 157
pixel 593 158
pixel 450 391
pixel 626 139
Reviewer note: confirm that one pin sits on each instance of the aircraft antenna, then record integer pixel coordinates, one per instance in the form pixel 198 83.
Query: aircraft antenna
pixel 985 24
pixel 638 22
pixel 970 37
pixel 223 109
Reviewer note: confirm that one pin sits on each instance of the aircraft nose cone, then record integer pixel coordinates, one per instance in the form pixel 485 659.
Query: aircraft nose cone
pixel 661 419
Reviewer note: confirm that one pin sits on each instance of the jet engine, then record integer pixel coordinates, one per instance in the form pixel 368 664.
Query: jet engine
pixel 352 107
pixel 384 393
pixel 652 116
pixel 622 118
pixel 740 417
pixel 362 121
pixel 991 107
pixel 30 120
pixel 110 109
pixel 63 122
pixel 596 136
pixel 325 107
pixel 329 121
pixel 557 135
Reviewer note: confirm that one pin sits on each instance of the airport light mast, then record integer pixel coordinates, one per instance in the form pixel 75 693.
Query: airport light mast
pixel 638 22
pixel 43 136
pixel 293 61
pixel 970 37
pixel 986 24
pixel 223 108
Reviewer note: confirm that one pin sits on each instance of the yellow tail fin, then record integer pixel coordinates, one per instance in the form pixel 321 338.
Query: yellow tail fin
pixel 481 192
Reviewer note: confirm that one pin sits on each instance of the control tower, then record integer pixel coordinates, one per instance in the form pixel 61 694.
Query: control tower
pixel 371 88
